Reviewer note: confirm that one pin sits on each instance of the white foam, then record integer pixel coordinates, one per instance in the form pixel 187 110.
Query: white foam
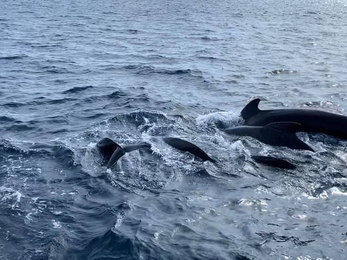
pixel 56 224
pixel 229 118
pixel 337 191
pixel 10 194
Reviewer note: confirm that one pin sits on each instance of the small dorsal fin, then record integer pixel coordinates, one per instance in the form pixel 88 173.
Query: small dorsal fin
pixel 291 127
pixel 250 109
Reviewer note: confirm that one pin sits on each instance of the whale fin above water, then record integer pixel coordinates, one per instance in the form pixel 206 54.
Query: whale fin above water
pixel 186 146
pixel 112 151
pixel 250 109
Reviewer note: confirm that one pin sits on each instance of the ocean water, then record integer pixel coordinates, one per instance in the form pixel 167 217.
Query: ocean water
pixel 73 72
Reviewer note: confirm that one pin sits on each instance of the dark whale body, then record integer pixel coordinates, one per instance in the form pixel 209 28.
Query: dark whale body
pixel 276 134
pixel 274 162
pixel 186 146
pixel 311 120
pixel 112 151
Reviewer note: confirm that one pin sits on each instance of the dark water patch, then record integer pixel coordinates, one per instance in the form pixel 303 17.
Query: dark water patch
pixel 115 95
pixel 40 101
pixel 56 70
pixel 14 57
pixel 147 70
pixel 76 90
pixel 8 119
pixel 281 239
pixel 96 115
pixel 209 38
pixel 21 127
pixel 57 131
pixel 132 31
pixel 49 120
pixel 106 246
pixel 281 71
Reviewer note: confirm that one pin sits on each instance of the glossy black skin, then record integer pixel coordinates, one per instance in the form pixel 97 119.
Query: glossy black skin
pixel 112 152
pixel 186 146
pixel 107 147
pixel 274 162
pixel 276 134
pixel 311 120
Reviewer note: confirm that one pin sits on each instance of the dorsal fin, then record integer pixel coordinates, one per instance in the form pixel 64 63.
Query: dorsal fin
pixel 291 127
pixel 250 109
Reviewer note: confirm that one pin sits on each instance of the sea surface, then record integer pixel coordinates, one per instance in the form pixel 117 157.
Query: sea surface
pixel 75 71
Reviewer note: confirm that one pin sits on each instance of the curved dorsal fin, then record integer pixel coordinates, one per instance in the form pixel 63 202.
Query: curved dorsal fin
pixel 291 127
pixel 250 109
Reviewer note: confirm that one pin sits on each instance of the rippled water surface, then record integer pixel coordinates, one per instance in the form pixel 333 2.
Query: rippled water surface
pixel 73 72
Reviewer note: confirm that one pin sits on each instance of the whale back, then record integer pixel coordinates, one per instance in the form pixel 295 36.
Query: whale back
pixel 186 146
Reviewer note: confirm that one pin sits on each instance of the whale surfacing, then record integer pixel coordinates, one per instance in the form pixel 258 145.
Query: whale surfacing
pixel 186 146
pixel 112 151
pixel 311 120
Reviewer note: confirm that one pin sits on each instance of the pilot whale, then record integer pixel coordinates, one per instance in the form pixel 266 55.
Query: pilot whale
pixel 276 134
pixel 112 152
pixel 186 146
pixel 311 120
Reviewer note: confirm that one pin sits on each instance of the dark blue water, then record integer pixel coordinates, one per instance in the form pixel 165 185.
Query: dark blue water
pixel 73 72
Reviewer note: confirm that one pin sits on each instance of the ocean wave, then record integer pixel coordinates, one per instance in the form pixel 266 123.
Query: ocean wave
pixel 7 119
pixel 76 90
pixel 13 57
pixel 40 101
pixel 146 70
pixel 281 71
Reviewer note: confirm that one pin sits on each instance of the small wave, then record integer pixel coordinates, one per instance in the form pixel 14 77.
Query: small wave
pixel 277 238
pixel 9 194
pixel 108 245
pixel 143 119
pixel 7 119
pixel 38 102
pixel 76 90
pixel 55 70
pixel 13 57
pixel 20 127
pixel 281 71
pixel 114 95
pixel 145 70
pixel 207 38
pixel 220 120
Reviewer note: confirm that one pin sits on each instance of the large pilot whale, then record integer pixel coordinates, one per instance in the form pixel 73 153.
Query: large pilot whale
pixel 311 120
pixel 112 152
pixel 276 134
